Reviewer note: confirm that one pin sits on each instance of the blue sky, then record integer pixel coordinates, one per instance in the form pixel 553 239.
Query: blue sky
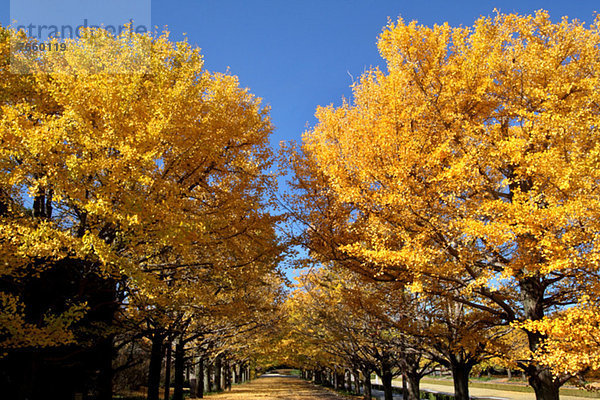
pixel 297 54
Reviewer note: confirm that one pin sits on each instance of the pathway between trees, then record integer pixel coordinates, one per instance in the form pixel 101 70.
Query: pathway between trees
pixel 277 387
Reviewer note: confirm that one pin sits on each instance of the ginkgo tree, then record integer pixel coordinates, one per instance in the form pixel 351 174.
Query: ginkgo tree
pixel 124 165
pixel 361 325
pixel 471 169
pixel 433 327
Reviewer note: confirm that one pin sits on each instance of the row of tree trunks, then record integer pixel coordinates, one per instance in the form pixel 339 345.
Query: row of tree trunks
pixel 340 379
pixel 209 379
pixel 209 376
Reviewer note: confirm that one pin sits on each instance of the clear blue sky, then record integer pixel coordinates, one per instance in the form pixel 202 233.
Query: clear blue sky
pixel 297 54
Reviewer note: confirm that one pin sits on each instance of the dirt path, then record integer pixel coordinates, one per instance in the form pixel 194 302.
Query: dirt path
pixel 277 387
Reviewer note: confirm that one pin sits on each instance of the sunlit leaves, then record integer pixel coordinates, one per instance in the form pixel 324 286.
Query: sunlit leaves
pixel 124 152
pixel 469 165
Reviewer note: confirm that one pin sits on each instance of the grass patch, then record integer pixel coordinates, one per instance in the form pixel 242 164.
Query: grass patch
pixel 513 388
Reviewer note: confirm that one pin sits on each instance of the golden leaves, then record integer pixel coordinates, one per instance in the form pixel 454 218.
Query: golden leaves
pixel 572 342
pixel 148 167
pixel 469 167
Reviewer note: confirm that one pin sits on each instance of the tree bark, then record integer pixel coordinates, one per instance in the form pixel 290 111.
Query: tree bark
pixel 460 376
pixel 540 378
pixel 356 382
pixel 218 374
pixel 228 375
pixel 209 379
pixel 106 370
pixel 386 381
pixel 155 366
pixel 236 373
pixel 413 386
pixel 366 385
pixel 200 378
pixel 544 386
pixel 341 380
pixel 167 394
pixel 179 370
pixel 318 377
pixel 348 380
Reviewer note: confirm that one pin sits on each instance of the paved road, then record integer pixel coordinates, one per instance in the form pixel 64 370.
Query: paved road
pixel 479 392
pixel 492 393
pixel 277 387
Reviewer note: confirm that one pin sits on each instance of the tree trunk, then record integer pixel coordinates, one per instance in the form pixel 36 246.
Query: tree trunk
pixel 318 377
pixel 179 370
pixel 366 385
pixel 209 380
pixel 155 366
pixel 218 374
pixel 106 371
pixel 356 382
pixel 533 304
pixel 341 380
pixel 386 381
pixel 460 376
pixel 404 387
pixel 228 375
pixel 413 383
pixel 348 377
pixel 193 386
pixel 200 378
pixel 167 395
pixel 236 373
pixel 544 386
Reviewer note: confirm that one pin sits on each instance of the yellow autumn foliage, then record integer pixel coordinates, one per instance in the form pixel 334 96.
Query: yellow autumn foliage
pixel 124 152
pixel 469 168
